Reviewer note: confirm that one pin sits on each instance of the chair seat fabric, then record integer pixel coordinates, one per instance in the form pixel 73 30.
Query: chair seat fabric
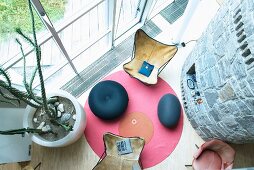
pixel 147 49
pixel 108 100
pixel 115 161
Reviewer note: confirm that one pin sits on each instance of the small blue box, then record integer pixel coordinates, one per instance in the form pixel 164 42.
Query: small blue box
pixel 146 69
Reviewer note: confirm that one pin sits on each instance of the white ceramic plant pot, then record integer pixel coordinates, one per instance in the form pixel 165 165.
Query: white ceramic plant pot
pixel 78 128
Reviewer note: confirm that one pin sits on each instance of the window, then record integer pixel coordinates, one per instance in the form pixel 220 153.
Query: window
pixel 81 32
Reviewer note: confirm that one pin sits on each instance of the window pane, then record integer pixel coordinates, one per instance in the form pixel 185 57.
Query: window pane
pixel 15 14
pixel 51 60
pixel 85 30
pixel 158 6
pixel 84 39
pixel 128 13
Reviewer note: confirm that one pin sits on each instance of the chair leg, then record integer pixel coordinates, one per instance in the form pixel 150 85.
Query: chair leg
pixel 196 146
pixel 190 166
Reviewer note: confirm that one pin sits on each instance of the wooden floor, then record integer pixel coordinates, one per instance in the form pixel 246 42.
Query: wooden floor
pixel 79 156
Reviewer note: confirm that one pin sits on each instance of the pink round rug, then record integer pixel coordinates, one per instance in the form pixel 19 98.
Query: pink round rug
pixel 140 119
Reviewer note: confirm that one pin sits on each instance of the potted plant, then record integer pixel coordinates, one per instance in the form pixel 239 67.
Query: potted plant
pixel 53 119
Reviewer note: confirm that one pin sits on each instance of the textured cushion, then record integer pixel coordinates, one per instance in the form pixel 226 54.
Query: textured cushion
pixel 108 100
pixel 169 110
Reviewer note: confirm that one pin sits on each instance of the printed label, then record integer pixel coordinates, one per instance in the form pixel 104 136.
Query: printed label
pixel 124 147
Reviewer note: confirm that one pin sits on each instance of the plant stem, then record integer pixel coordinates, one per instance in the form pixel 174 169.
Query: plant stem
pixel 9 102
pixel 20 131
pixel 19 94
pixel 18 30
pixel 2 72
pixel 38 58
pixel 27 87
pixel 66 127
pixel 10 98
